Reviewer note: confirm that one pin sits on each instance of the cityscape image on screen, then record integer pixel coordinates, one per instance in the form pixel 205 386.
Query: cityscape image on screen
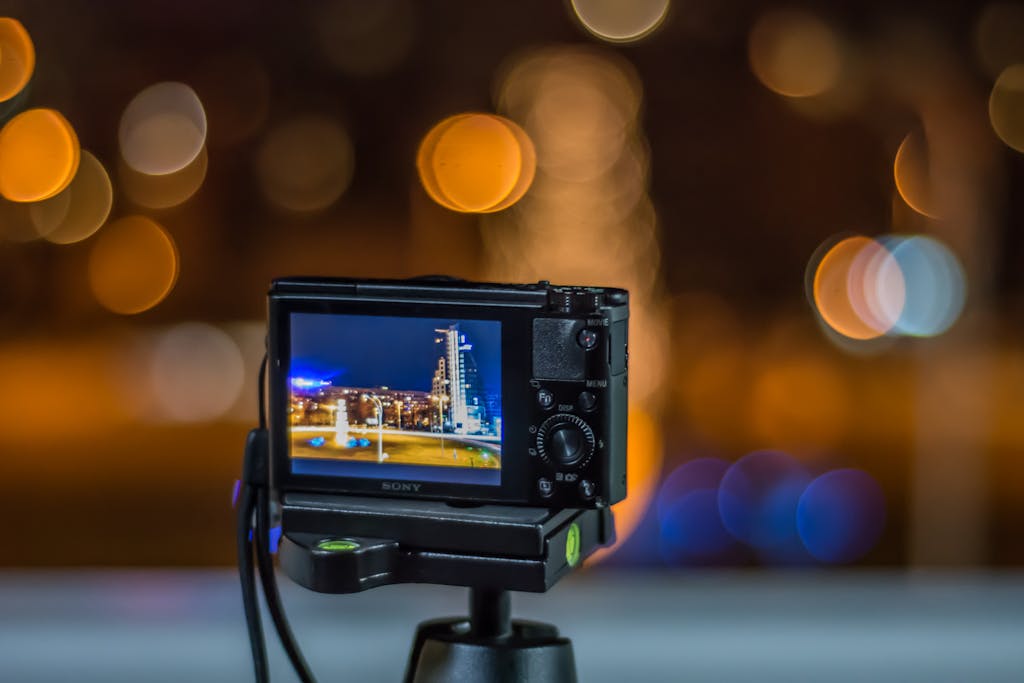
pixel 395 398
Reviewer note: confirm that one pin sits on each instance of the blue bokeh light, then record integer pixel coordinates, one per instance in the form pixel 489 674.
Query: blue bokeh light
pixel 934 281
pixel 758 497
pixel 700 473
pixel 691 529
pixel 841 516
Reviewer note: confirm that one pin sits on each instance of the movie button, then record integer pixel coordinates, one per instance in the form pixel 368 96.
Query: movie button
pixel 587 338
pixel 545 399
pixel 546 487
pixel 587 489
pixel 587 401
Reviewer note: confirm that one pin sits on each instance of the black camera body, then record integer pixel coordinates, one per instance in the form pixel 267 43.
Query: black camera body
pixel 449 390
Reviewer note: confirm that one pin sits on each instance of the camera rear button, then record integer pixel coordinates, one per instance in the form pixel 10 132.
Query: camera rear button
pixel 545 399
pixel 545 486
pixel 587 338
pixel 587 401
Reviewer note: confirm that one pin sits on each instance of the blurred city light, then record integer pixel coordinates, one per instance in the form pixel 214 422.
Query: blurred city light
pixel 876 286
pixel 758 498
pixel 476 163
pixel 1006 106
pixel 167 190
pixel 795 54
pixel 163 129
pixel 834 290
pixel 621 22
pixel 579 106
pixel 306 163
pixel 196 372
pixel 365 39
pixel 235 91
pixel 998 36
pixel 935 285
pixel 841 515
pixel 691 530
pixel 864 288
pixel 800 402
pixel 912 173
pixel 17 58
pixel 133 265
pixel 687 504
pixel 39 155
pixel 88 402
pixel 80 209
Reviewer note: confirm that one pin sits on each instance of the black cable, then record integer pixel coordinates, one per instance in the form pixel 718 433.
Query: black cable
pixel 257 471
pixel 246 574
pixel 270 592
pixel 261 393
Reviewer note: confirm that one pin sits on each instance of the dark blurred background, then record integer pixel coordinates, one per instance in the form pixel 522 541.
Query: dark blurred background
pixel 816 207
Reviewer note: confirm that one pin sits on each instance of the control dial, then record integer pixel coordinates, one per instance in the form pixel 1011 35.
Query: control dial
pixel 565 440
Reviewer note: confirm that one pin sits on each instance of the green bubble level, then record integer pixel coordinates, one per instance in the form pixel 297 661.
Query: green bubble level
pixel 337 545
pixel 572 545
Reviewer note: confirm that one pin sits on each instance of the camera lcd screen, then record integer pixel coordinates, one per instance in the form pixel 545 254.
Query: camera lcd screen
pixel 415 399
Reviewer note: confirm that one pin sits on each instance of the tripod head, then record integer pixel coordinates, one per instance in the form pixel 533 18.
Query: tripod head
pixel 347 544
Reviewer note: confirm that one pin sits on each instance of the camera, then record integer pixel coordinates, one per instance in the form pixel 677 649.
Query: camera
pixel 466 392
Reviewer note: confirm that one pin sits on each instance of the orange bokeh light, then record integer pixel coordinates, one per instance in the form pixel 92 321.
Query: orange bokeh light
pixel 133 265
pixel 912 173
pixel 800 404
pixel 39 155
pixel 643 471
pixel 17 58
pixel 832 293
pixel 476 163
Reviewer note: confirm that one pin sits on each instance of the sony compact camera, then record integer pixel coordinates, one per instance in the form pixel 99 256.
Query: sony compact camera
pixel 449 390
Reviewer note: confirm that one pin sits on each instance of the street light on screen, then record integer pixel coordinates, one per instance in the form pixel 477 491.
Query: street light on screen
pixel 380 425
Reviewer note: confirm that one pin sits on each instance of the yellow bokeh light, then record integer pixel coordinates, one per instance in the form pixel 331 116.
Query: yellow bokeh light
pixel 164 191
pixel 476 163
pixel 1006 106
pixel 912 172
pixel 643 472
pixel 795 54
pixel 17 58
pixel 81 209
pixel 39 155
pixel 832 289
pixel 133 265
pixel 999 36
pixel 619 21
pixel 306 164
